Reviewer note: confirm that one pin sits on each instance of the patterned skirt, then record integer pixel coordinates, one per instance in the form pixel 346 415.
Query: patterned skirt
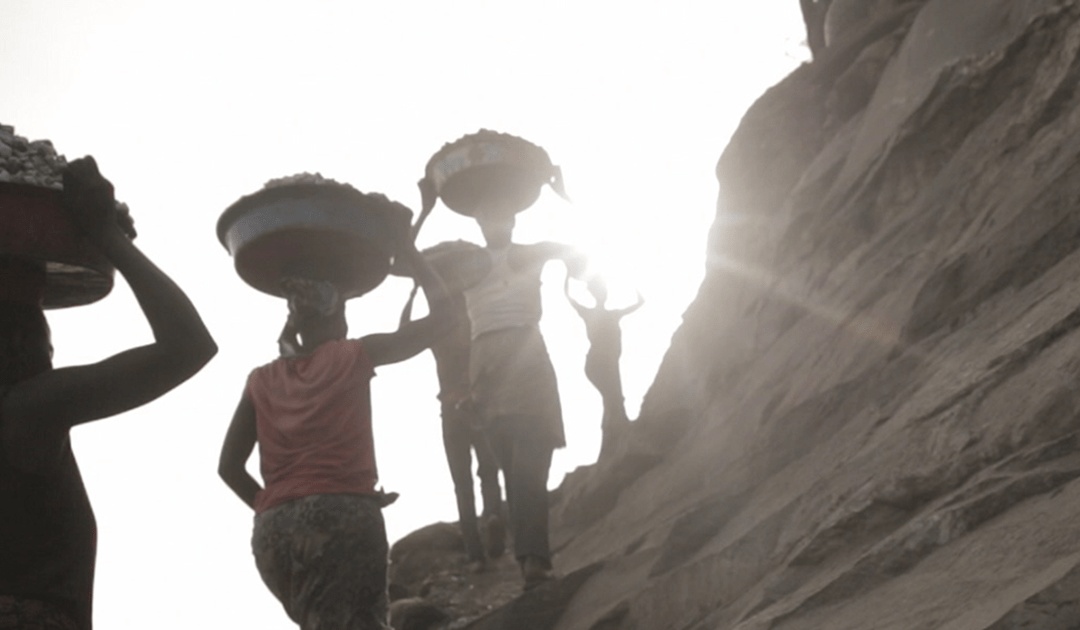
pixel 324 557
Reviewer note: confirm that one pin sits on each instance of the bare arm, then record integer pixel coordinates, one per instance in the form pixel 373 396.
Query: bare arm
pixel 236 450
pixel 630 309
pixel 47 405
pixel 412 338
pixel 540 253
pixel 406 312
pixel 580 308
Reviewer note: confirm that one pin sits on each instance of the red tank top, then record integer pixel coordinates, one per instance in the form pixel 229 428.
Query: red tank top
pixel 313 420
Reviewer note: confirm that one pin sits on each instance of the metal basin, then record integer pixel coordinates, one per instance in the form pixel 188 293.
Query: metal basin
pixel 490 172
pixel 319 231
pixel 34 226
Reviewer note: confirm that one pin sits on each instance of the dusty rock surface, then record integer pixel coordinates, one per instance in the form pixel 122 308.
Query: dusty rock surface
pixel 429 568
pixel 434 587
pixel 870 418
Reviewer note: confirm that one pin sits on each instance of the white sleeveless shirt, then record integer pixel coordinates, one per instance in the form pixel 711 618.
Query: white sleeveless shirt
pixel 505 298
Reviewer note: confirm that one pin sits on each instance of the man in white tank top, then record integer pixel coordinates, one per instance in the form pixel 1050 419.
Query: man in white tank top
pixel 513 382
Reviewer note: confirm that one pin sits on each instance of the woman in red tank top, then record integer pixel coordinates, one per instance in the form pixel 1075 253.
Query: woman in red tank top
pixel 319 540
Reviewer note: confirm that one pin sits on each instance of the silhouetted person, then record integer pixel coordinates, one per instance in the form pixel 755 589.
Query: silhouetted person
pixel 319 540
pixel 513 382
pixel 461 430
pixel 605 350
pixel 47 530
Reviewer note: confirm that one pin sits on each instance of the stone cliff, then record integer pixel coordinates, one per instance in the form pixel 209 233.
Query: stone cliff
pixel 870 418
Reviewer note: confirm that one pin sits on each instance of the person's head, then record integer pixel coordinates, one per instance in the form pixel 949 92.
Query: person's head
pixel 497 228
pixel 316 315
pixel 598 289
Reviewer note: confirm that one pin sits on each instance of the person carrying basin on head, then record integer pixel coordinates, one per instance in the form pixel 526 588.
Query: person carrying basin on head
pixel 491 176
pixel 513 384
pixel 319 540
pixel 47 527
pixel 457 263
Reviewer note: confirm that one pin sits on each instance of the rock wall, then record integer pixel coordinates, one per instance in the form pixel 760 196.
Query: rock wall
pixel 869 419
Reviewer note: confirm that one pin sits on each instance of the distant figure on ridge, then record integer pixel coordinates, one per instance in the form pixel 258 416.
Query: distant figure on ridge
pixel 47 530
pixel 461 430
pixel 513 382
pixel 605 349
pixel 319 541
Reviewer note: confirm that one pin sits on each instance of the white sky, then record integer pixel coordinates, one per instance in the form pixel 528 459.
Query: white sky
pixel 188 106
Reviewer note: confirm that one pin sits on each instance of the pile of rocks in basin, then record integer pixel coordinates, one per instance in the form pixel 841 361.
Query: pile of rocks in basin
pixel 29 162
pixel 36 163
pixel 304 178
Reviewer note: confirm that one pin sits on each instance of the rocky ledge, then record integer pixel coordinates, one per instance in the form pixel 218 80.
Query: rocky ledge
pixel 870 418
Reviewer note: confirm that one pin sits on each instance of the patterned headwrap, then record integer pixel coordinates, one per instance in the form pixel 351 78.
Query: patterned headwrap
pixel 309 300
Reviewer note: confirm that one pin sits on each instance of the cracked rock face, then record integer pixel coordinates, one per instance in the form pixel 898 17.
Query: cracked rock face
pixel 870 418
pixel 845 18
pixel 876 396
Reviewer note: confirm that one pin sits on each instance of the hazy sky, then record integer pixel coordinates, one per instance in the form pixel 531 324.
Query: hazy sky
pixel 188 106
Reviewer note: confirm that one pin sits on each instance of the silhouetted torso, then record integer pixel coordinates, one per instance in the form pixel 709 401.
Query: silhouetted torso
pixel 313 419
pixel 508 296
pixel 452 358
pixel 605 349
pixel 49 535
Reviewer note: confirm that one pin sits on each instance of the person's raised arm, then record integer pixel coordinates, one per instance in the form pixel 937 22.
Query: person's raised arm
pixel 58 399
pixel 633 307
pixel 581 309
pixel 239 442
pixel 576 261
pixel 406 311
pixel 414 337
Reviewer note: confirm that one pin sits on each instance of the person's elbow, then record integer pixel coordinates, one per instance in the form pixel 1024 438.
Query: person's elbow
pixel 426 333
pixel 196 352
pixel 224 472
pixel 228 470
pixel 205 350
